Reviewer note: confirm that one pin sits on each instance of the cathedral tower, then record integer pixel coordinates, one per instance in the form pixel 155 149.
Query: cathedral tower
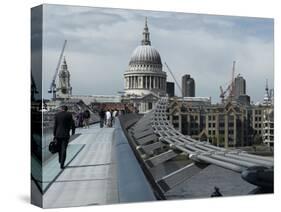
pixel 64 91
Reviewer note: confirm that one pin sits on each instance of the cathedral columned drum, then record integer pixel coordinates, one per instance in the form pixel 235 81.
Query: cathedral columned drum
pixel 144 79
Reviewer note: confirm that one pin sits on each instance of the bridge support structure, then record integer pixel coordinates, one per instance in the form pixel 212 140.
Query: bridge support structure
pixel 157 141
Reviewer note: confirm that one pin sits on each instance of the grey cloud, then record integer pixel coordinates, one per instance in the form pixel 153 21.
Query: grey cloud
pixel 102 40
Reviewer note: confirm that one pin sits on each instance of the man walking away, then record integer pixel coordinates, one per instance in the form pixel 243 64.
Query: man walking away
pixel 86 116
pixel 80 119
pixel 63 124
pixel 114 115
pixel 102 116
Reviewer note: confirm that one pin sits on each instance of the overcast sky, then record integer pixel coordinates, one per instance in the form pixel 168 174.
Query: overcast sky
pixel 101 41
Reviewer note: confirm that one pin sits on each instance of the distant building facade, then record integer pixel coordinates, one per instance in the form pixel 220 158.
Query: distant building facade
pixel 170 89
pixel 88 99
pixel 222 125
pixel 225 125
pixel 244 99
pixel 188 86
pixel 263 124
pixel 268 126
pixel 268 117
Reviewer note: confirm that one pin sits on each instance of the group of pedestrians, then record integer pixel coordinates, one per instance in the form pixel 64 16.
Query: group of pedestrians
pixel 83 118
pixel 64 123
pixel 107 117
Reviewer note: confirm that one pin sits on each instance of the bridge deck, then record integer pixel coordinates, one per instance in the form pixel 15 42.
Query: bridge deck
pixel 90 178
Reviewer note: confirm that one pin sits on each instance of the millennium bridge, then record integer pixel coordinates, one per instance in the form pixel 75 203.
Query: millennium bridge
pixel 154 131
pixel 142 158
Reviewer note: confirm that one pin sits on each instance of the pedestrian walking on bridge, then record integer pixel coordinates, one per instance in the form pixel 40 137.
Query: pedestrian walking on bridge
pixel 86 116
pixel 102 117
pixel 80 118
pixel 114 116
pixel 63 124
pixel 108 118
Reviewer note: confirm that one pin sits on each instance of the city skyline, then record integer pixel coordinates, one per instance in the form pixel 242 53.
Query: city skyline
pixel 101 41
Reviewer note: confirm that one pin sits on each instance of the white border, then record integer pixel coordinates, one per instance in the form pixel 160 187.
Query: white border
pixel 14 116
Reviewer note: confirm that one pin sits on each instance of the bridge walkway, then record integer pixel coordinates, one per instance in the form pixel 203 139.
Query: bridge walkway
pixel 90 176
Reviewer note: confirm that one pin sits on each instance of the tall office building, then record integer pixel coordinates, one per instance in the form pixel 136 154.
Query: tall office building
pixel 170 89
pixel 188 86
pixel 239 87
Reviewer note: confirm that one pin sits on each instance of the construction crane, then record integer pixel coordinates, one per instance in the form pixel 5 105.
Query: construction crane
pixel 53 87
pixel 231 87
pixel 223 92
pixel 178 85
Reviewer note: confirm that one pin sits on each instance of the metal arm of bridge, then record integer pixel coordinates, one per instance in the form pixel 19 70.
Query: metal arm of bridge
pixel 154 132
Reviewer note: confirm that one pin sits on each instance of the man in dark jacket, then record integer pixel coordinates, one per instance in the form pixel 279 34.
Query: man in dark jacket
pixel 102 116
pixel 63 124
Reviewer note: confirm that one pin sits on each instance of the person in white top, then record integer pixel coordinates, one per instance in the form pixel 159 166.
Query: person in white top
pixel 114 113
pixel 108 118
